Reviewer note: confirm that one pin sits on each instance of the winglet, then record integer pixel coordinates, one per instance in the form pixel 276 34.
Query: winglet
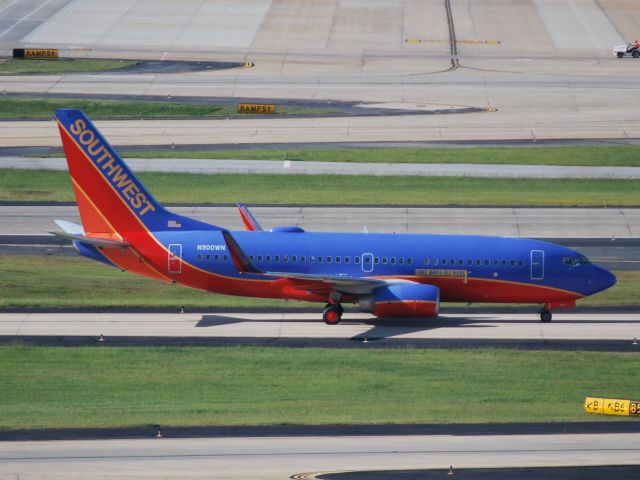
pixel 240 259
pixel 248 219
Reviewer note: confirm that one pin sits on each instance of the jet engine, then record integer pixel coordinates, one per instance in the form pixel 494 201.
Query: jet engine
pixel 402 300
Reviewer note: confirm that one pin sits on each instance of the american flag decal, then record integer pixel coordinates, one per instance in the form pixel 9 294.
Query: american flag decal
pixel 173 224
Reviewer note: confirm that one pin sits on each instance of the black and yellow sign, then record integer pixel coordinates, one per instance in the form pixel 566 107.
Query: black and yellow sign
pixel 611 406
pixel 257 108
pixel 35 53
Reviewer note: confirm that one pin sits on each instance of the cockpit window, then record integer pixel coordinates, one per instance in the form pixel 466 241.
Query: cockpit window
pixel 575 261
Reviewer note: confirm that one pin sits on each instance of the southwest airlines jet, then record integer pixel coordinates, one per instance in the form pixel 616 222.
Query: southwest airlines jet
pixel 389 275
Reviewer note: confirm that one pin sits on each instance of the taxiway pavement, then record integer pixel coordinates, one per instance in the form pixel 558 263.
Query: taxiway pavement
pixel 292 167
pixel 284 457
pixel 600 223
pixel 600 326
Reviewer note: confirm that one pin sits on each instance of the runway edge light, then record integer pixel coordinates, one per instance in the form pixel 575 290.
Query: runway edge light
pixel 612 406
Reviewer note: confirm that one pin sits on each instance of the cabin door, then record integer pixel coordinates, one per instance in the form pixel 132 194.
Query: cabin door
pixel 175 258
pixel 537 264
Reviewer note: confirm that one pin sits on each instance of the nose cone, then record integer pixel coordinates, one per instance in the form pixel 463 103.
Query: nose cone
pixel 603 279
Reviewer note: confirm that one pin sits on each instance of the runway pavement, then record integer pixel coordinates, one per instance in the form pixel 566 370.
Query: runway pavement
pixel 271 327
pixel 283 457
pixel 292 167
pixel 598 223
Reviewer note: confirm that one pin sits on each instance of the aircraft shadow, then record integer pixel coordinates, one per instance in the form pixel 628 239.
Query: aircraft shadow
pixel 215 320
pixel 391 327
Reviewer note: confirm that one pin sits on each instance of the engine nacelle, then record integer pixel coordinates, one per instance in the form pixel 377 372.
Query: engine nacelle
pixel 402 300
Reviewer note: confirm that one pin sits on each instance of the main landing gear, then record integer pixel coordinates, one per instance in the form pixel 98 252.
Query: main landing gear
pixel 545 315
pixel 332 314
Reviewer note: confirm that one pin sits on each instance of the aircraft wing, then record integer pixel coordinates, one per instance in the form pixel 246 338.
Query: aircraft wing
pixel 309 281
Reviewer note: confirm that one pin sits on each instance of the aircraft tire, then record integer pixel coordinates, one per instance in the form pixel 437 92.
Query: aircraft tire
pixel 620 54
pixel 332 314
pixel 636 54
pixel 545 316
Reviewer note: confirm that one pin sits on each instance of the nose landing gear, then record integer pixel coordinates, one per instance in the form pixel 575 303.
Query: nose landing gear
pixel 545 315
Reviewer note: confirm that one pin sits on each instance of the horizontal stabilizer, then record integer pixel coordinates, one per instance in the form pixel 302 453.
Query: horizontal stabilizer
pixel 73 231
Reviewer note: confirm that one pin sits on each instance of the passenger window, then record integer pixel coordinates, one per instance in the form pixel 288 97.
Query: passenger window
pixel 312 259
pixel 426 261
pixel 392 260
pixel 199 257
pixel 444 261
pixel 400 261
pixel 303 259
pixel 277 258
pixel 367 260
pixel 294 258
pixel 409 261
pixel 357 260
pixel 225 258
pixel 513 263
pixel 460 261
pixel 259 258
pixel 385 260
pixel 347 259
pixel 487 263
pixel 251 257
pixel 319 259
pixel 338 259
pixel 495 263
pixel 216 258
pixel 478 262
pixel 470 262
pixel 328 259
pixel 208 258
pixel 285 258
pixel 504 263
pixel 435 261
pixel 268 258
pixel 376 260
pixel 521 263
pixel 452 262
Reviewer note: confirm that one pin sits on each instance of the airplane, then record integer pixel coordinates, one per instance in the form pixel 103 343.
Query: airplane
pixel 388 275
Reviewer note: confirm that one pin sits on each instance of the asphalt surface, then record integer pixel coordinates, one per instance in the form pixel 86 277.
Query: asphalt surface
pixel 292 167
pixel 548 473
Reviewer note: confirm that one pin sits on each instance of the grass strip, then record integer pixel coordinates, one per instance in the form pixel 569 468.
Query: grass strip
pixel 21 185
pixel 33 281
pixel 596 156
pixel 127 387
pixel 42 109
pixel 30 66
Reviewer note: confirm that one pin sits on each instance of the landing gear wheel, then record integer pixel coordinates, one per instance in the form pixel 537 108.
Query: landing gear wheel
pixel 545 316
pixel 332 314
pixel 620 54
pixel 636 54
